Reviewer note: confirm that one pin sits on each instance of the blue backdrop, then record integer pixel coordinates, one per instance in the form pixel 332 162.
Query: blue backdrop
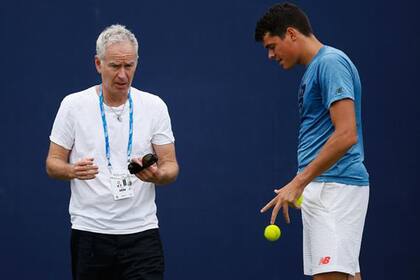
pixel 235 119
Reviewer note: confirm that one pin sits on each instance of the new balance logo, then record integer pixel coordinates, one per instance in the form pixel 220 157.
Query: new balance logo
pixel 324 260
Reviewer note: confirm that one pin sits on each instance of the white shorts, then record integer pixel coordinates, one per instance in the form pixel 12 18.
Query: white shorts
pixel 333 217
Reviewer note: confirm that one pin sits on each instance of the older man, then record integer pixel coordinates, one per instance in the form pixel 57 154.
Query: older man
pixel 96 133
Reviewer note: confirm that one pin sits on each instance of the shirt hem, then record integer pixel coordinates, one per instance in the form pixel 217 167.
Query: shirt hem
pixel 163 142
pixel 357 183
pixel 57 141
pixel 339 98
pixel 115 231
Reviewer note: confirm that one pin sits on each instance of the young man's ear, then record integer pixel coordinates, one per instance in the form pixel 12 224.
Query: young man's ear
pixel 292 33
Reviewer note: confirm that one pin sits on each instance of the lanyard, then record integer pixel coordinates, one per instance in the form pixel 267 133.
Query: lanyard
pixel 130 131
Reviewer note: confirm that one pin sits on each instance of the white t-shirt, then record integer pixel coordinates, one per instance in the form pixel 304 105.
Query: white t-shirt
pixel 78 127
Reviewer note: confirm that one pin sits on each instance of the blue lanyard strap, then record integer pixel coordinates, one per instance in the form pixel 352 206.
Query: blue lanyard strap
pixel 105 126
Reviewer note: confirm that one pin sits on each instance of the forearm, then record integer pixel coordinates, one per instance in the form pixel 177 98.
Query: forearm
pixel 168 172
pixel 335 147
pixel 59 169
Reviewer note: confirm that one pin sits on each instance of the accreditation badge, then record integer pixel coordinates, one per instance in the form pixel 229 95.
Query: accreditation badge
pixel 121 185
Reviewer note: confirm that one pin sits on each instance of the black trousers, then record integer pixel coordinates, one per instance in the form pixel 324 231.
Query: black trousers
pixel 97 256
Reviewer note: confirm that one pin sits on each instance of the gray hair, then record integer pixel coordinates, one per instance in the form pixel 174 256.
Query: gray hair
pixel 114 34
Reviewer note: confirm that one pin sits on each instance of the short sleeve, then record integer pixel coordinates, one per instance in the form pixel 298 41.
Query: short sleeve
pixel 335 79
pixel 62 132
pixel 162 129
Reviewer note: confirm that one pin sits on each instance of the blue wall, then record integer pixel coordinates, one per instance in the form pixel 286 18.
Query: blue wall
pixel 235 120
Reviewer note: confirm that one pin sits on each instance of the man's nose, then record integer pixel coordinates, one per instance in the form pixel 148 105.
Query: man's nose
pixel 270 54
pixel 122 73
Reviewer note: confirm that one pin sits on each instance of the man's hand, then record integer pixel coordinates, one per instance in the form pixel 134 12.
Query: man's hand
pixel 84 169
pixel 58 165
pixel 285 197
pixel 151 174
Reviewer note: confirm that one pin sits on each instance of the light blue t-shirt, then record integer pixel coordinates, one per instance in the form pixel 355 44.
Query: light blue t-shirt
pixel 330 77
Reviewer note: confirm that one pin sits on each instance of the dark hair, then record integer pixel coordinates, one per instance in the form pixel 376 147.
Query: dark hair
pixel 278 18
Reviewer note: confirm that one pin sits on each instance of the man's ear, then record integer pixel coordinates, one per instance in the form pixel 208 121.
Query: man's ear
pixel 98 64
pixel 292 33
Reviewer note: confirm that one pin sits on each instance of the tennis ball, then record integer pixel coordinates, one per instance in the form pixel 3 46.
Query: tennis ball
pixel 272 232
pixel 299 201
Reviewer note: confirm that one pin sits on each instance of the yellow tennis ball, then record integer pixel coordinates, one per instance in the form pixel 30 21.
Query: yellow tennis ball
pixel 272 232
pixel 299 201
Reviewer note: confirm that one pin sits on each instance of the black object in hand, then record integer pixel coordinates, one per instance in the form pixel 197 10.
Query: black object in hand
pixel 147 161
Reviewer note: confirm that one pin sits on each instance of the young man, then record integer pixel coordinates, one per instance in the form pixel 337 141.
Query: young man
pixel 96 133
pixel 331 174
